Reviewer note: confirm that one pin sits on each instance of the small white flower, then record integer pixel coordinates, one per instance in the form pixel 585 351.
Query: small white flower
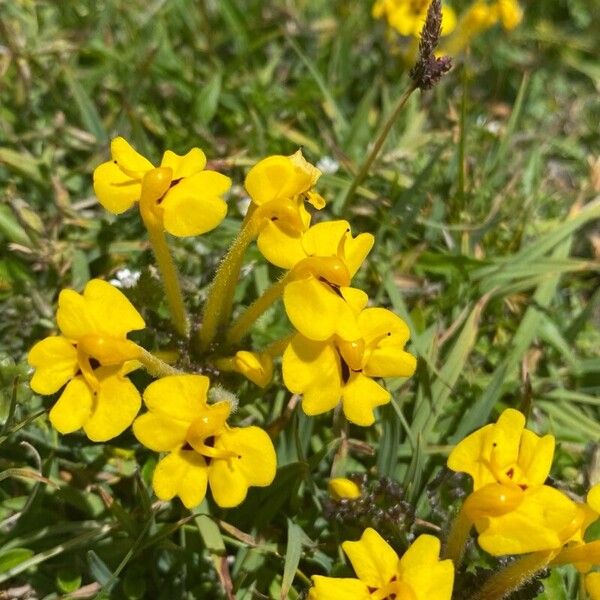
pixel 328 165
pixel 125 278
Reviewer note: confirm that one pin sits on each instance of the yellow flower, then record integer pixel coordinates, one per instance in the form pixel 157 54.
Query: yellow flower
pixel 505 453
pixel 513 512
pixel 341 489
pixel 326 371
pixel 278 186
pixel 317 300
pixel 418 575
pixel 510 13
pixel 93 355
pixel 192 203
pixel 202 449
pixel 255 366
pixel 407 17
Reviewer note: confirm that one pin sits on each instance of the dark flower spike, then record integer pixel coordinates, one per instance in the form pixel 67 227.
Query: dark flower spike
pixel 429 69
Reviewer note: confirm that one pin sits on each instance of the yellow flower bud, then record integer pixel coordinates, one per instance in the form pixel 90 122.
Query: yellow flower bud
pixel 343 489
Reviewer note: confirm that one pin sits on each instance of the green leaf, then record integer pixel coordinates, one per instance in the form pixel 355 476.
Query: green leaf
pixel 87 109
pixel 13 557
pixel 293 553
pixel 68 580
pixel 207 101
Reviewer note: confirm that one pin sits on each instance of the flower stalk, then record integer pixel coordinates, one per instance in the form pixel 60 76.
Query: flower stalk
pixel 243 323
pixel 155 184
pixel 458 536
pixel 217 308
pixel 502 583
pixel 155 366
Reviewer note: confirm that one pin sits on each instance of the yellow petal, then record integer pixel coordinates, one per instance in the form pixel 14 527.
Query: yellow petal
pixel 128 159
pixel 270 179
pixel 281 248
pixel 55 361
pixel 341 488
pixel 181 473
pixel 254 464
pixel 279 177
pixel 428 577
pixel 355 250
pixel 318 312
pixel 357 299
pixel 592 585
pixel 498 444
pixel 184 166
pixel 325 239
pixel 390 362
pixel 334 588
pixel 448 20
pixel 382 327
pixel 373 559
pixel 510 13
pixel 102 310
pixel 256 366
pixel 115 190
pixel 160 433
pixel 535 456
pixel 73 407
pixel 593 498
pixel 493 500
pixel 312 369
pixel 178 397
pixel 544 520
pixel 194 205
pixel 115 406
pixel 360 395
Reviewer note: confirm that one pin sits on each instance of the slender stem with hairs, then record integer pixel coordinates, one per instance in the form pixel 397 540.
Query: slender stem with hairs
pixel 457 539
pixel 154 185
pixel 255 310
pixel 155 366
pixel 510 579
pixel 217 308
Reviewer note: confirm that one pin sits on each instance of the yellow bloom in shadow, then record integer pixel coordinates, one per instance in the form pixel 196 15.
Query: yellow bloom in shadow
pixel 328 371
pixel 407 17
pixel 92 356
pixel 202 449
pixel 190 204
pixel 278 187
pixel 418 575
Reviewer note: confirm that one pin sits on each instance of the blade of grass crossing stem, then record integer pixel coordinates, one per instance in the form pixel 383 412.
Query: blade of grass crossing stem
pixel 478 414
pixel 293 552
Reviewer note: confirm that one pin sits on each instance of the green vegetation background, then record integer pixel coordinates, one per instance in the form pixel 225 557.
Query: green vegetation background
pixel 485 209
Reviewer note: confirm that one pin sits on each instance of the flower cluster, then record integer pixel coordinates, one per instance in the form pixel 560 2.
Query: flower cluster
pixel 406 18
pixel 337 349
